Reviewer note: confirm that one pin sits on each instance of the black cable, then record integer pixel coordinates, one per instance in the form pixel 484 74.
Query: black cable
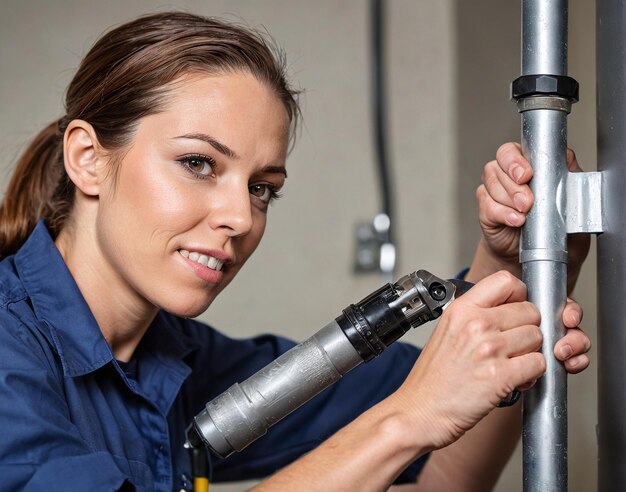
pixel 377 17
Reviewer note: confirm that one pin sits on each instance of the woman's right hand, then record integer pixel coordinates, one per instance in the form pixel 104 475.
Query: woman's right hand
pixel 484 347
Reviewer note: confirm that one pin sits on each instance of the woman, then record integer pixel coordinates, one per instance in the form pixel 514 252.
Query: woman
pixel 131 213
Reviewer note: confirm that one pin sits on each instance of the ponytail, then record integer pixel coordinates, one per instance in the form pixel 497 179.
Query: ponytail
pixel 39 189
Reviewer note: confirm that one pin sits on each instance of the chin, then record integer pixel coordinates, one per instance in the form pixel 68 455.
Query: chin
pixel 186 309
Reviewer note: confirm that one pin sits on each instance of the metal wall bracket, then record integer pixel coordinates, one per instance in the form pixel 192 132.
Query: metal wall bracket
pixel 584 203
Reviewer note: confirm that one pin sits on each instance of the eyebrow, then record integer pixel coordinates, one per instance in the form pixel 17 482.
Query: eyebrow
pixel 220 147
pixel 275 170
pixel 223 149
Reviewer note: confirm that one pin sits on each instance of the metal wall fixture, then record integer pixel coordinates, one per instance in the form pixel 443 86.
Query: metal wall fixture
pixel 611 347
pixel 564 203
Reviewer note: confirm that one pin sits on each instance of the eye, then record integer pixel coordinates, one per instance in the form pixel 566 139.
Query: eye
pixel 264 192
pixel 199 165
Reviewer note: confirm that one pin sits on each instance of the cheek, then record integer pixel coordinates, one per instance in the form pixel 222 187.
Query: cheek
pixel 150 200
pixel 247 244
pixel 256 234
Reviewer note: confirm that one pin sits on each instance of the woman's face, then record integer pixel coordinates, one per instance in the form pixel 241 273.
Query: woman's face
pixel 189 203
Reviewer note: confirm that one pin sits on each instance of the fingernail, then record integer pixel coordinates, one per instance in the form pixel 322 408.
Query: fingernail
pixel 520 201
pixel 566 351
pixel 517 172
pixel 512 219
pixel 572 363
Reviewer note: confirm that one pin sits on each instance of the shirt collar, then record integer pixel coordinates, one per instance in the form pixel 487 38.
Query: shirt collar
pixel 58 302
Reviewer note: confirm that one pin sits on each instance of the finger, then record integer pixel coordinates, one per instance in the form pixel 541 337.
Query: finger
pixel 572 162
pixel 514 315
pixel 513 163
pixel 574 343
pixel 527 386
pixel 522 340
pixel 526 368
pixel 572 314
pixel 505 190
pixel 496 289
pixel 494 214
pixel 577 364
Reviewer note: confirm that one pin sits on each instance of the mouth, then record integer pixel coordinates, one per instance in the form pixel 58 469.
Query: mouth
pixel 205 260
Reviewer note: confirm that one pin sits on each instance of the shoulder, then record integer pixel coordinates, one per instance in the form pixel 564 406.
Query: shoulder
pixel 24 339
pixel 11 288
pixel 205 335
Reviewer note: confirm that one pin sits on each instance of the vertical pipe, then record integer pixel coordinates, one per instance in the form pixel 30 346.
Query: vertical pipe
pixel 543 249
pixel 611 119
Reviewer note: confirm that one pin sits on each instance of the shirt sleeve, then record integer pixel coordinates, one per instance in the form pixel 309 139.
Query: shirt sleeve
pixel 316 420
pixel 40 448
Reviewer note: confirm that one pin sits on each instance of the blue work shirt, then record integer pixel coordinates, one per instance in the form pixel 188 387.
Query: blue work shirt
pixel 74 418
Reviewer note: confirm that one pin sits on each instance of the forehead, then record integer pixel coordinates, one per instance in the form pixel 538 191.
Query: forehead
pixel 236 108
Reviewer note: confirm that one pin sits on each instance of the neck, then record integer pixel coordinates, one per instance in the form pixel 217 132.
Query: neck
pixel 122 315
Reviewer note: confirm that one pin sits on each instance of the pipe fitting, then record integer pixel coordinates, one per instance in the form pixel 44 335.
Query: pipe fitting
pixel 544 85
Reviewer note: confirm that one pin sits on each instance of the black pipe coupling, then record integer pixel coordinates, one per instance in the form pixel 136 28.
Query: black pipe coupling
pixel 545 85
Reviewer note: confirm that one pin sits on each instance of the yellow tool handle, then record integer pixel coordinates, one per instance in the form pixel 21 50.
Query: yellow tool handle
pixel 200 484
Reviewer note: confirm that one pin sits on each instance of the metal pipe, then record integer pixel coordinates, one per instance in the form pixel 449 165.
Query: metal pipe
pixel 611 128
pixel 543 247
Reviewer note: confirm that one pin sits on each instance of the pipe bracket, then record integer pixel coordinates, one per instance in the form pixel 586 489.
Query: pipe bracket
pixel 584 203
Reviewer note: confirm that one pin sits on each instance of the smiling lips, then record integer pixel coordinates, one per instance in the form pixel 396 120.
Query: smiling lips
pixel 204 260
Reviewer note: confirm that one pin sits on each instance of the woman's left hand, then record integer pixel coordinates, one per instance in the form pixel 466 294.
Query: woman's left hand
pixel 573 347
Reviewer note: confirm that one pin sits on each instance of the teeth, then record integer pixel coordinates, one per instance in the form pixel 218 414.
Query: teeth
pixel 205 260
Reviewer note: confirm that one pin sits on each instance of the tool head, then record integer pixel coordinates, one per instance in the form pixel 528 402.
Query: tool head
pixel 461 286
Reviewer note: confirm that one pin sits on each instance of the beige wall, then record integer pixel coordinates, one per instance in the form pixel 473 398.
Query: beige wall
pixel 450 64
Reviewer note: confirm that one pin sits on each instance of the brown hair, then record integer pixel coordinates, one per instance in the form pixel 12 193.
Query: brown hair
pixel 123 78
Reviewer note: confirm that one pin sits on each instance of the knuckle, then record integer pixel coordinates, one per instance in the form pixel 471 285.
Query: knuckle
pixel 481 193
pixel 491 180
pixel 571 155
pixel 531 308
pixel 475 328
pixel 541 363
pixel 506 277
pixel 489 172
pixel 537 336
pixel 504 150
pixel 487 350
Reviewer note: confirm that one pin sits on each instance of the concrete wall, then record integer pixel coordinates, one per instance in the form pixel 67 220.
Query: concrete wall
pixel 449 64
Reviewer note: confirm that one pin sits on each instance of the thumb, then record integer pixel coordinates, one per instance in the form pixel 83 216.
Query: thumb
pixel 496 289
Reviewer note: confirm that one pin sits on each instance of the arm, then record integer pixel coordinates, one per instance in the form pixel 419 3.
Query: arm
pixel 504 199
pixel 491 330
pixel 476 460
pixel 466 368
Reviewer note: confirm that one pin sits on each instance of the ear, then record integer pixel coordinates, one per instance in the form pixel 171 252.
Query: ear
pixel 82 156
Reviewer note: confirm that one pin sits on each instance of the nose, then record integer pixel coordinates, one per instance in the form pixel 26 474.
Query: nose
pixel 231 210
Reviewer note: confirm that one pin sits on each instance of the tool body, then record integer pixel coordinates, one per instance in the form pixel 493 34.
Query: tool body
pixel 245 411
